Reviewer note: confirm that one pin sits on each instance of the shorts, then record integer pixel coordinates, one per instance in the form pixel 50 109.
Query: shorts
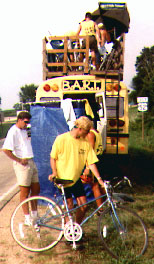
pixel 77 190
pixel 92 43
pixel 26 175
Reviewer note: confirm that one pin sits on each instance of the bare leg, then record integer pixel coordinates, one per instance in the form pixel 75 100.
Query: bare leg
pixel 72 57
pixel 97 192
pixel 93 57
pixel 81 57
pixel 35 190
pixel 80 212
pixel 70 206
pixel 24 192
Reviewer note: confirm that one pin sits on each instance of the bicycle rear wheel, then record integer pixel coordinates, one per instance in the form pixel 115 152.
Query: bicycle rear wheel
pixel 126 241
pixel 43 231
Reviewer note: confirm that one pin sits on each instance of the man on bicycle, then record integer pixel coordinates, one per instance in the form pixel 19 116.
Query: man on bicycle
pixel 69 155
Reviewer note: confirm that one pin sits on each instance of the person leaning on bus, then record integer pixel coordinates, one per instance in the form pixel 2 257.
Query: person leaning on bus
pixel 95 139
pixel 69 155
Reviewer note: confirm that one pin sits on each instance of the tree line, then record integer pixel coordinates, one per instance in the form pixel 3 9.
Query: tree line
pixel 26 95
pixel 143 81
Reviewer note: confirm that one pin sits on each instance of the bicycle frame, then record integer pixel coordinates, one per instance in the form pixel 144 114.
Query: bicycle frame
pixel 69 211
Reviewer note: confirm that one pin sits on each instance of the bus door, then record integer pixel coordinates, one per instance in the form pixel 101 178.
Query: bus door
pixel 102 123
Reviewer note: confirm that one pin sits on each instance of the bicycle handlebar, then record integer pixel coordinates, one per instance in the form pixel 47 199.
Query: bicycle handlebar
pixel 127 180
pixel 124 180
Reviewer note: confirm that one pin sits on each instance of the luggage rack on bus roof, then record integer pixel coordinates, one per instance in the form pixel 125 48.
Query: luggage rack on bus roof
pixel 56 61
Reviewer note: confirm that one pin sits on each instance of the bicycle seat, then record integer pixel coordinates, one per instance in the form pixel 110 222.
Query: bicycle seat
pixel 62 181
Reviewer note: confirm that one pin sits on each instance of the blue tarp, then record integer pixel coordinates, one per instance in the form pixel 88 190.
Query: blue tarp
pixel 46 124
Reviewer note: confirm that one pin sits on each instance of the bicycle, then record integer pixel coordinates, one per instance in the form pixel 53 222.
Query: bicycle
pixel 122 231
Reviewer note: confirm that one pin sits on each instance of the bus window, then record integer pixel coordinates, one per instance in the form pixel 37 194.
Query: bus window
pixel 112 106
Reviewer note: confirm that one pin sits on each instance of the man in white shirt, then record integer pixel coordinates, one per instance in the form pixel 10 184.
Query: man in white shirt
pixel 17 146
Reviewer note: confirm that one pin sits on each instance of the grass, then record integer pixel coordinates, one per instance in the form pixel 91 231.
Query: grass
pixel 4 127
pixel 94 253
pixel 9 112
pixel 141 135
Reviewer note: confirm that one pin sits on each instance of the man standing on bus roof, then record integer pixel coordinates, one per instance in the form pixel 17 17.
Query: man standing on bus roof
pixel 89 28
pixel 69 155
pixel 17 146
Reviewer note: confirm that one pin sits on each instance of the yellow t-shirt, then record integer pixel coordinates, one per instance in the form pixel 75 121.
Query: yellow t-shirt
pixel 98 143
pixel 71 155
pixel 88 28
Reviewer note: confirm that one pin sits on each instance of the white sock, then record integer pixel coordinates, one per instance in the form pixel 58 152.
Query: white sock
pixel 34 213
pixel 27 217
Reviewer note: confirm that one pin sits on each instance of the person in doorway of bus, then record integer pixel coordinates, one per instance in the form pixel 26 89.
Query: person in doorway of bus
pixel 95 139
pixel 70 152
pixel 89 28
pixel 17 146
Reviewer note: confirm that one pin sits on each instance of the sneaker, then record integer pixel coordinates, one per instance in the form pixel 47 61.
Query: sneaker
pixel 28 222
pixel 79 244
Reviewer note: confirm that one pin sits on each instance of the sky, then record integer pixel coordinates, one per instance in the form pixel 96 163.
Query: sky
pixel 24 23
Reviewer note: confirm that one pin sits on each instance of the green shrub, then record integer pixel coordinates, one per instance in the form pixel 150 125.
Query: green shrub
pixel 9 112
pixel 4 129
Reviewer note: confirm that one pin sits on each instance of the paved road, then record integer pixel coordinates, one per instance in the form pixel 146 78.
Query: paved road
pixel 8 183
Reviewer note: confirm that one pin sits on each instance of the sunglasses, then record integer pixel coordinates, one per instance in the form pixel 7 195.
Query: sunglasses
pixel 26 122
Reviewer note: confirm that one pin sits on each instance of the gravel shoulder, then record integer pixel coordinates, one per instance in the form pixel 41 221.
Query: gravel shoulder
pixel 11 252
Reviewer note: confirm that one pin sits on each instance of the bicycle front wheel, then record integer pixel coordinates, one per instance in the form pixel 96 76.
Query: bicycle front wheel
pixel 43 231
pixel 124 236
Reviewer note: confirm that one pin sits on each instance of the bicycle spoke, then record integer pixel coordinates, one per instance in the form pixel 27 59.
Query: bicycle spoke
pixel 44 231
pixel 126 239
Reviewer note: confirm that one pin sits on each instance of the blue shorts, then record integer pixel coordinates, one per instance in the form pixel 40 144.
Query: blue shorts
pixel 77 190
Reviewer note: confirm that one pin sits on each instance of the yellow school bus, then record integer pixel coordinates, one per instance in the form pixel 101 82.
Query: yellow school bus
pixel 105 100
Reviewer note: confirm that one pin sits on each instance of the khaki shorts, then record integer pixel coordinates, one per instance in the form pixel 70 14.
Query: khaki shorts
pixel 26 175
pixel 92 43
